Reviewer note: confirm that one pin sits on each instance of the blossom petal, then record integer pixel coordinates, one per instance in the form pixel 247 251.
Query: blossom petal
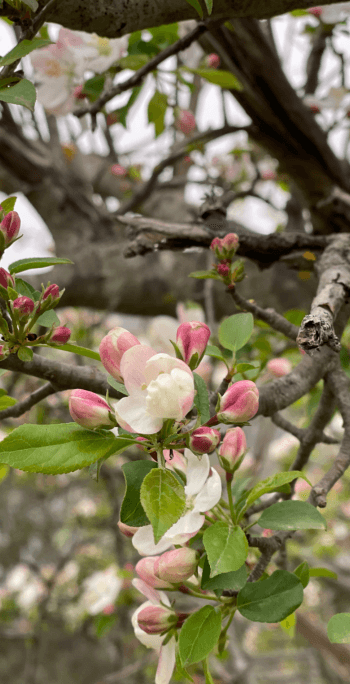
pixel 143 541
pixel 132 367
pixel 189 523
pixel 210 495
pixel 166 663
pixel 163 363
pixel 151 594
pixel 132 410
pixel 197 472
pixel 148 640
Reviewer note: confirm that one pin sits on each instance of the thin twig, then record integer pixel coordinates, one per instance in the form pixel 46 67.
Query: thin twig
pixel 27 403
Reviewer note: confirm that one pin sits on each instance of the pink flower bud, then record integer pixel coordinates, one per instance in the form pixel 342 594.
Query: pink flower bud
pixel 176 566
pixel 192 339
pixel 118 170
pixel 61 335
pixel 186 122
pixel 52 290
pixel 314 108
pixel 78 92
pixel 239 403
pixel 225 248
pixel 10 226
pixel 6 279
pixel 232 450
pixel 89 410
pixel 204 440
pixel 112 348
pixel 127 530
pixel 24 306
pixel 279 367
pixel 316 11
pixel 223 269
pixel 212 60
pixel 268 175
pixel 155 619
pixel 145 570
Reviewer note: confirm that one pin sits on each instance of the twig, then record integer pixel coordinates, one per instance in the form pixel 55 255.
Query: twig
pixel 27 403
pixel 299 433
pixel 270 316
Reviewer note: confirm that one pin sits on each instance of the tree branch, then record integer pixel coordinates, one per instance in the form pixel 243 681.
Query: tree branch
pixel 270 316
pixel 27 403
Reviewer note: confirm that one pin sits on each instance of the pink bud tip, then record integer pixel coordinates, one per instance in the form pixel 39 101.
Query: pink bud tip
pixel 213 60
pixel 186 122
pixel 52 290
pixel 24 306
pixel 6 279
pixel 314 108
pixel 204 440
pixel 279 367
pixel 10 226
pixel 232 450
pixel 192 339
pixel 225 248
pixel 176 566
pixel 316 11
pixel 223 269
pixel 156 619
pixel 127 530
pixel 112 348
pixel 61 335
pixel 145 570
pixel 78 92
pixel 239 403
pixel 118 170
pixel 89 410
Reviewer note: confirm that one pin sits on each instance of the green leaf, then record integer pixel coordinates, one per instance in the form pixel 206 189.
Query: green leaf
pixel 338 628
pixel 270 484
pixel 209 4
pixel 180 671
pixel 226 547
pixel 215 352
pixel 292 515
pixel 156 111
pixel 199 634
pixel 25 354
pixel 75 349
pixel 104 623
pixel 36 262
pixel 26 289
pixel 33 4
pixel 235 331
pixel 23 48
pixel 93 87
pixel 22 93
pixel 163 499
pixel 201 398
pixel 197 7
pixel 303 572
pixel 131 512
pixel 235 579
pixel 5 400
pixel 133 62
pixel 58 448
pixel 203 275
pixel 8 204
pixel 48 318
pixel 323 572
pixel 295 316
pixel 117 385
pixel 272 599
pixel 224 79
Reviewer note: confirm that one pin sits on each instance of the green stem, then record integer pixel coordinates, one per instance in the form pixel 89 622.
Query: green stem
pixel 208 677
pixel 230 500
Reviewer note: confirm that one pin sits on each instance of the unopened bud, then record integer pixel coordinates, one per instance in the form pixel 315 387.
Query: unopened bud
pixel 191 341
pixel 316 11
pixel 145 570
pixel 232 450
pixel 185 121
pixel 279 367
pixel 24 306
pixel 52 290
pixel 204 440
pixel 212 60
pixel 6 279
pixel 127 530
pixel 10 226
pixel 239 403
pixel 176 566
pixel 156 619
pixel 225 248
pixel 61 335
pixel 268 175
pixel 78 92
pixel 112 348
pixel 89 410
pixel 118 170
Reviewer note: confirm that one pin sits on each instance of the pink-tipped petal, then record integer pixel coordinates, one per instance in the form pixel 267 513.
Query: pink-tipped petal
pixel 132 411
pixel 132 367
pixel 166 663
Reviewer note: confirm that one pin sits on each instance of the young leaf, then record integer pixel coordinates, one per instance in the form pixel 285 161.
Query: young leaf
pixel 272 599
pixel 93 87
pixel 156 111
pixel 163 499
pixel 322 572
pixel 199 634
pixel 224 79
pixel 33 4
pixel 117 385
pixel 338 628
pixel 203 275
pixel 196 5
pixel 131 512
pixel 235 331
pixel 302 571
pixel 270 484
pixel 22 93
pixel 226 547
pixel 37 262
pixel 48 318
pixel 26 289
pixel 201 399
pixel 25 354
pixel 5 400
pixel 8 204
pixel 235 579
pixel 75 349
pixel 23 48
pixel 292 515
pixel 209 4
pixel 57 448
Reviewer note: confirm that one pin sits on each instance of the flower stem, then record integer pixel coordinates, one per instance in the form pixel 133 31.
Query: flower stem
pixel 230 499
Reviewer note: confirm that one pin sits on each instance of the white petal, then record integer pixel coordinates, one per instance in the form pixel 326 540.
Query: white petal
pixel 210 495
pixel 151 594
pixel 132 410
pixel 148 640
pixel 143 541
pixel 190 523
pixel 196 473
pixel 166 663
pixel 163 363
pixel 133 365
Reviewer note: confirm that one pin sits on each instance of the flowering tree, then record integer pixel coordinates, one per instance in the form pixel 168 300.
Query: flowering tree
pixel 204 533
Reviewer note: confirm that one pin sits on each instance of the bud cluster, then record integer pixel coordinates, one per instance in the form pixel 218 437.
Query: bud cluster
pixel 224 249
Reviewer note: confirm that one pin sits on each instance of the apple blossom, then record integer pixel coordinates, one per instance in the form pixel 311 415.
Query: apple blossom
pixel 61 335
pixel 202 490
pixel 279 367
pixel 176 566
pixel 204 440
pixel 166 662
pixel 159 387
pixel 100 590
pixel 112 348
pixel 239 403
pixel 232 450
pixel 191 341
pixel 89 410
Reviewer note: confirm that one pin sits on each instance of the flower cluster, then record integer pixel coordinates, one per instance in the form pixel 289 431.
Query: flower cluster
pixel 227 270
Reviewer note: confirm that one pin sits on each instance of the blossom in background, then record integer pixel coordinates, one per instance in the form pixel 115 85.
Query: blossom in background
pixel 100 590
pixel 333 100
pixel 166 662
pixel 159 387
pixel 330 14
pixel 202 490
